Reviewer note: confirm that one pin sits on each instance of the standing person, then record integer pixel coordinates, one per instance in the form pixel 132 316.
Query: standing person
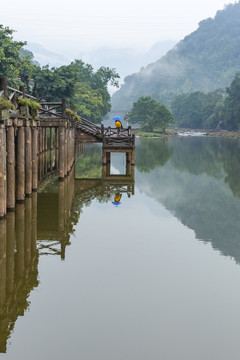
pixel 118 123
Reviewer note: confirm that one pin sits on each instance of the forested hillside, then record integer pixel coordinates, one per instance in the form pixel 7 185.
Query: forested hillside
pixel 206 60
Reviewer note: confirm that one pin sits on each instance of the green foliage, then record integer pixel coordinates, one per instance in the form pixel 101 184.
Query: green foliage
pixel 73 114
pixel 6 104
pixel 85 90
pixel 9 54
pixel 161 118
pixel 198 110
pixel 142 110
pixel 150 114
pixel 215 110
pixel 232 105
pixel 31 103
pixel 34 105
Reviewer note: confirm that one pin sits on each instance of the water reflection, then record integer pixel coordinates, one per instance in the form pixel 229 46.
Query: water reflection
pixel 43 226
pixel 197 180
pixel 18 265
pixel 200 185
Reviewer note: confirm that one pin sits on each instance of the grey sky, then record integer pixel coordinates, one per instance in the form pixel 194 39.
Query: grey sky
pixel 72 26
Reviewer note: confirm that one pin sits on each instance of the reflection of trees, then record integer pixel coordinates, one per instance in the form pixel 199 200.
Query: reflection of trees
pixel 231 165
pixel 212 156
pixel 198 186
pixel 152 153
pixel 89 164
pixel 199 157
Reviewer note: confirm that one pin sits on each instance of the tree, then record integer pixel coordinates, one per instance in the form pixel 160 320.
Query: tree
pixel 142 110
pixel 232 105
pixel 9 55
pixel 162 117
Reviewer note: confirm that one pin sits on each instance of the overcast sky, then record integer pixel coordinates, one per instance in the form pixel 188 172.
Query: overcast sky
pixel 73 26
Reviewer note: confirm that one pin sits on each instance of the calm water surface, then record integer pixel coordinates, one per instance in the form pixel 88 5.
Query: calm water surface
pixel 134 267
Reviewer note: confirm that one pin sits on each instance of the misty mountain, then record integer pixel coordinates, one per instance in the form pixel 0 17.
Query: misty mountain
pixel 127 60
pixel 205 60
pixel 46 57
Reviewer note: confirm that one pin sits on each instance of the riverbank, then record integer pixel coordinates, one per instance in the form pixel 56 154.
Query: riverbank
pixel 189 132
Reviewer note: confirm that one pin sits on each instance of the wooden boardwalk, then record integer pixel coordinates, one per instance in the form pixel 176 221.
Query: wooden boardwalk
pixel 34 146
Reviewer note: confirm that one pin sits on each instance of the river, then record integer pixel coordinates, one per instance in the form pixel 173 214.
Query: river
pixel 134 267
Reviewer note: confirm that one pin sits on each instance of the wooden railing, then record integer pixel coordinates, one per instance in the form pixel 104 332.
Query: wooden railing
pixel 53 109
pixel 57 110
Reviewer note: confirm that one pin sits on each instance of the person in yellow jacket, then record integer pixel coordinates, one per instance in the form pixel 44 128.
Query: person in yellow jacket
pixel 117 199
pixel 118 125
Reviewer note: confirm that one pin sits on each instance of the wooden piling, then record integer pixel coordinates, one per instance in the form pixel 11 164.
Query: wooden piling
pixel 28 234
pixel 3 173
pixel 34 224
pixel 10 252
pixel 28 161
pixel 66 153
pixel 108 155
pixel 20 233
pixel 20 186
pixel 46 138
pixel 61 152
pixel 56 147
pixel 104 156
pixel 11 199
pixel 3 241
pixel 34 158
pixel 51 138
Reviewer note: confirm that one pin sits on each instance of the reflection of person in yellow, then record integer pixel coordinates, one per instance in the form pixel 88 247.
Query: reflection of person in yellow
pixel 117 199
pixel 118 126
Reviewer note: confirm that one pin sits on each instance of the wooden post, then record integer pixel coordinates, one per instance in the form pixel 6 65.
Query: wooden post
pixel 11 169
pixel 66 152
pixel 3 86
pixel 3 240
pixel 20 188
pixel 10 251
pixel 133 157
pixel 34 158
pixel 28 233
pixel 43 140
pixel 104 157
pixel 61 152
pixel 61 206
pixel 40 154
pixel 45 163
pixel 51 138
pixel 46 138
pixel 20 233
pixel 56 147
pixel 3 173
pixel 40 141
pixel 28 161
pixel 34 224
pixel 128 168
pixel 108 154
